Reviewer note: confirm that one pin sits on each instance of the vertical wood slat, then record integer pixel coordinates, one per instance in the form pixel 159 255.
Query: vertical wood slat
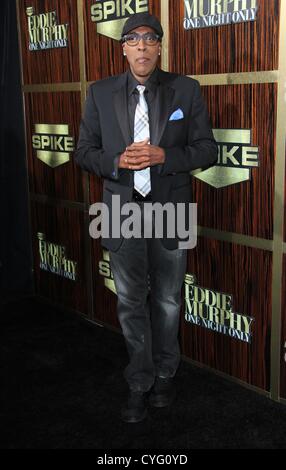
pixel 87 241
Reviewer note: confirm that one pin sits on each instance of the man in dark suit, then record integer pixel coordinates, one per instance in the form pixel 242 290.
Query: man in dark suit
pixel 143 132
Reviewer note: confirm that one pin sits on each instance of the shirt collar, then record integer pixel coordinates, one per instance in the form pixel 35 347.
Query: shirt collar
pixel 151 84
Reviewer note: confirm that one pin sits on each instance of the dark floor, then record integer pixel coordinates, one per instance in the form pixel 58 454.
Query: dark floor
pixel 62 387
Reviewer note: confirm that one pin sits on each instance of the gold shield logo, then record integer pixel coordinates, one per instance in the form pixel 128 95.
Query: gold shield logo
pixel 237 157
pixel 53 144
pixel 110 15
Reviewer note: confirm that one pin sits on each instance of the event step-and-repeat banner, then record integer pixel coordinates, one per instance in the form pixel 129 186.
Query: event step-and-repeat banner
pixel 233 313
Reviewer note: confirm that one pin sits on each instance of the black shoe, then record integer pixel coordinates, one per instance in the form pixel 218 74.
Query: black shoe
pixel 163 392
pixel 135 409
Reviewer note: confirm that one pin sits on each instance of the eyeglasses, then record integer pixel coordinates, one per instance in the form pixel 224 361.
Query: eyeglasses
pixel 132 39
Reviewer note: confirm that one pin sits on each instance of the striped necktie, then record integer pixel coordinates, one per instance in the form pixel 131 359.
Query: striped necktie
pixel 142 180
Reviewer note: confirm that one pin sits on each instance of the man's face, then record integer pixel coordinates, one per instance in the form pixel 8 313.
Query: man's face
pixel 142 58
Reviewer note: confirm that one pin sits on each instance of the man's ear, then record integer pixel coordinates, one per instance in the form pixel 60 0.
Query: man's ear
pixel 123 47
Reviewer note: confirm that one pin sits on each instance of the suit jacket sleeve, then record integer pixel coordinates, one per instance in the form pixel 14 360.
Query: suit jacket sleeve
pixel 201 149
pixel 90 155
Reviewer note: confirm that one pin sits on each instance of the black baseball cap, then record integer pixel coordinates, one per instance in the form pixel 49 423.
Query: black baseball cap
pixel 142 19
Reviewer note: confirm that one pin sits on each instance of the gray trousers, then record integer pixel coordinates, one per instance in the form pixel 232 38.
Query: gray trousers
pixel 148 279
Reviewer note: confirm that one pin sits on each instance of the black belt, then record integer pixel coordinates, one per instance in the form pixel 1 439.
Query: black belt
pixel 138 197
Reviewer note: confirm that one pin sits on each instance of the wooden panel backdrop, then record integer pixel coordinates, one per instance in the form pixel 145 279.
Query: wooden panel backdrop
pixel 64 227
pixel 245 273
pixel 66 181
pixel 54 85
pixel 244 47
pixel 52 65
pixel 246 207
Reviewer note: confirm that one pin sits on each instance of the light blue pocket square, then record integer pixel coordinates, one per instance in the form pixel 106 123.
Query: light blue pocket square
pixel 178 114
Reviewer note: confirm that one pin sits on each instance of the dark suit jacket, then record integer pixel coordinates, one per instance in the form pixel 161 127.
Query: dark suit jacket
pixel 188 143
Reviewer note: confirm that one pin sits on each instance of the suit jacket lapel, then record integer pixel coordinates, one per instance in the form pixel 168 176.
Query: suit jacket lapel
pixel 162 111
pixel 121 108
